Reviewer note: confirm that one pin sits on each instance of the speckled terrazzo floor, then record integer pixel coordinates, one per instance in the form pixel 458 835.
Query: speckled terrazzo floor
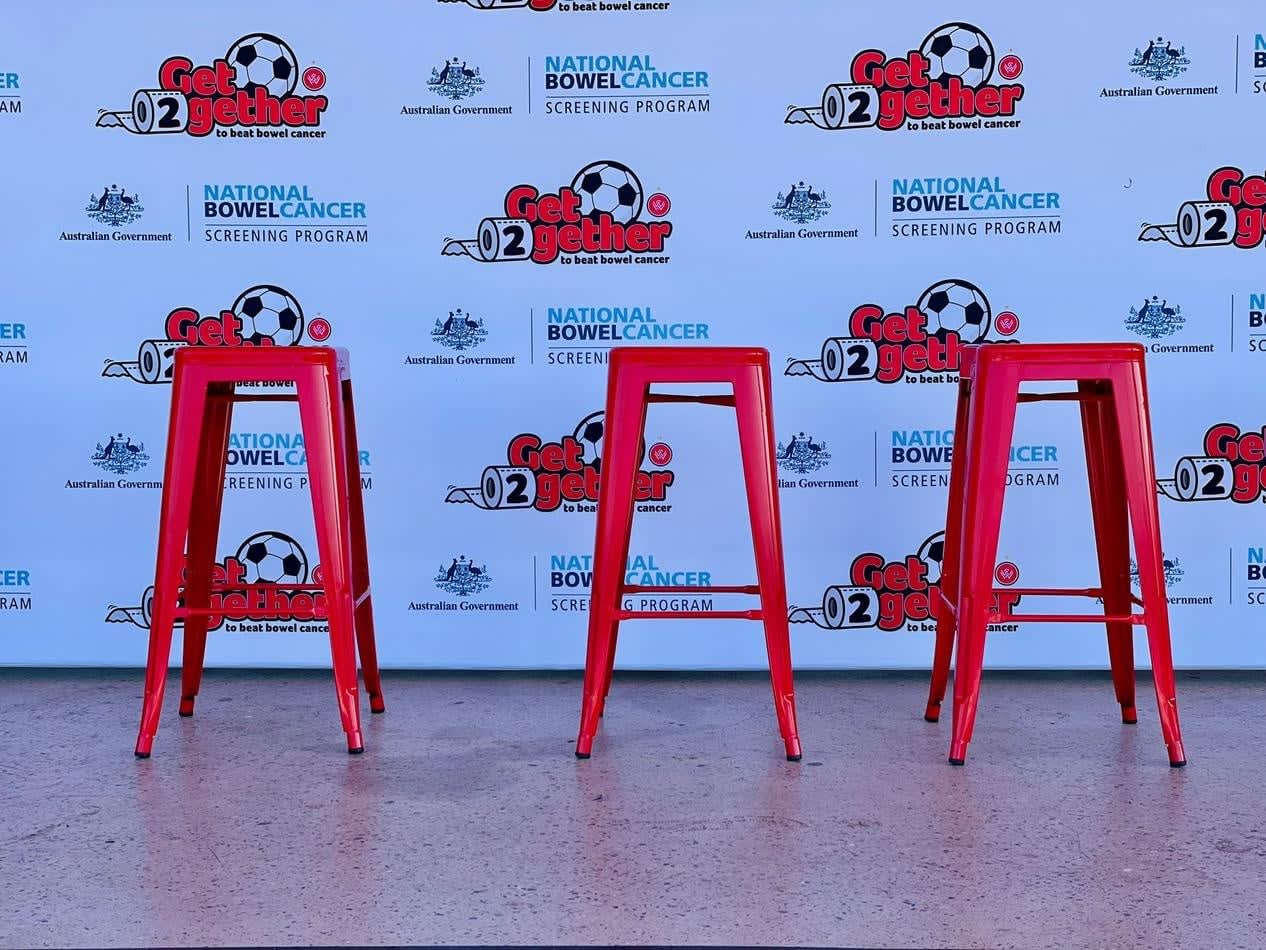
pixel 468 820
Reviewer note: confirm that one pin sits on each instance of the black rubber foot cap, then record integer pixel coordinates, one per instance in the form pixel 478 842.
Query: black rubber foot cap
pixel 1178 765
pixel 958 761
pixel 1130 722
pixel 141 755
pixel 187 715
pixel 582 755
pixel 793 758
pixel 357 751
pixel 378 712
pixel 927 718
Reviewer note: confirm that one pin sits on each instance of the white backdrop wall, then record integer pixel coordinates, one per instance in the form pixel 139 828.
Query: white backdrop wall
pixel 414 122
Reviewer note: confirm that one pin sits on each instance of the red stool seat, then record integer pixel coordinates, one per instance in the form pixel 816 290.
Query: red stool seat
pixel 631 373
pixel 203 393
pixel 1112 393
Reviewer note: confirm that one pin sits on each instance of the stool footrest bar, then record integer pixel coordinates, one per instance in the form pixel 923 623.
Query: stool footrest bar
pixel 1052 591
pixel 1067 618
pixel 682 397
pixel 711 589
pixel 689 614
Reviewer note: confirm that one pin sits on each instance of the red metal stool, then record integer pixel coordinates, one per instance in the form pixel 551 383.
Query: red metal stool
pixel 203 394
pixel 1112 392
pixel 632 372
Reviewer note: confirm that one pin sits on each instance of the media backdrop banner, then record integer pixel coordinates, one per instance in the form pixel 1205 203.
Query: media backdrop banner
pixel 479 198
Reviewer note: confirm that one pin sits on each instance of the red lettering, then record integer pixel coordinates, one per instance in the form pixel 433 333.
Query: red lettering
pixel 1223 184
pixel 1219 441
pixel 868 67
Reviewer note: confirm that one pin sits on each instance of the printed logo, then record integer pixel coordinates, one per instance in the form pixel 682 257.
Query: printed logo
pixel 249 93
pixel 802 454
pixel 595 220
pixel 900 595
pixel 583 336
pixel 460 331
pixel 969 207
pixel 571 578
pixel 120 455
pixel 923 343
pixel 1256 322
pixel 466 581
pixel 277 461
pixel 1259 63
pixel 115 207
pixel 921 458
pixel 947 83
pixel 15 589
pixel 13 348
pixel 462 577
pixel 1155 318
pixel 562 474
pixel 569 6
pixel 801 204
pixel 1159 62
pixel 455 80
pixel 1255 573
pixel 266 586
pixel 1234 213
pixel 621 83
pixel 10 93
pixel 1173 571
pixel 247 213
pixel 263 315
pixel 1233 466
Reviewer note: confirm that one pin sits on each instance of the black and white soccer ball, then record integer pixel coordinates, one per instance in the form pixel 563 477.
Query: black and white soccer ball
pixel 271 557
pixel 959 49
pixel 589 433
pixel 957 306
pixel 932 553
pixel 262 59
pixel 269 312
pixel 611 188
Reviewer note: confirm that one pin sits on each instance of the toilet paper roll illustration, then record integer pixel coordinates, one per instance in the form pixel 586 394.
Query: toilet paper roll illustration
pixel 501 486
pixel 842 358
pixel 140 615
pixel 499 239
pixel 497 4
pixel 154 362
pixel 1199 478
pixel 1199 224
pixel 850 608
pixel 153 111
pixel 844 106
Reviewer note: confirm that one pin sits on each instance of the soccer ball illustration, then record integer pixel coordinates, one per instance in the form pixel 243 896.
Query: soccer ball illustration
pixel 608 187
pixel 269 312
pixel 959 49
pixel 261 59
pixel 271 557
pixel 956 306
pixel 932 552
pixel 589 433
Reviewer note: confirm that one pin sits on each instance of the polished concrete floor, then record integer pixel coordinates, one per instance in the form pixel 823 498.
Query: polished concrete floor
pixel 468 820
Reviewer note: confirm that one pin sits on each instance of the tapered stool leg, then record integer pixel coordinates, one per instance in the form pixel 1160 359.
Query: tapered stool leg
pixel 625 420
pixel 204 531
pixel 1130 391
pixel 364 614
pixel 754 403
pixel 320 410
pixel 990 426
pixel 946 622
pixel 1104 468
pixel 180 472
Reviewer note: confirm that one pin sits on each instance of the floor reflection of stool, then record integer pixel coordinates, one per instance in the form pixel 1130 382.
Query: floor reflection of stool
pixel 1112 392
pixel 632 372
pixel 203 394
